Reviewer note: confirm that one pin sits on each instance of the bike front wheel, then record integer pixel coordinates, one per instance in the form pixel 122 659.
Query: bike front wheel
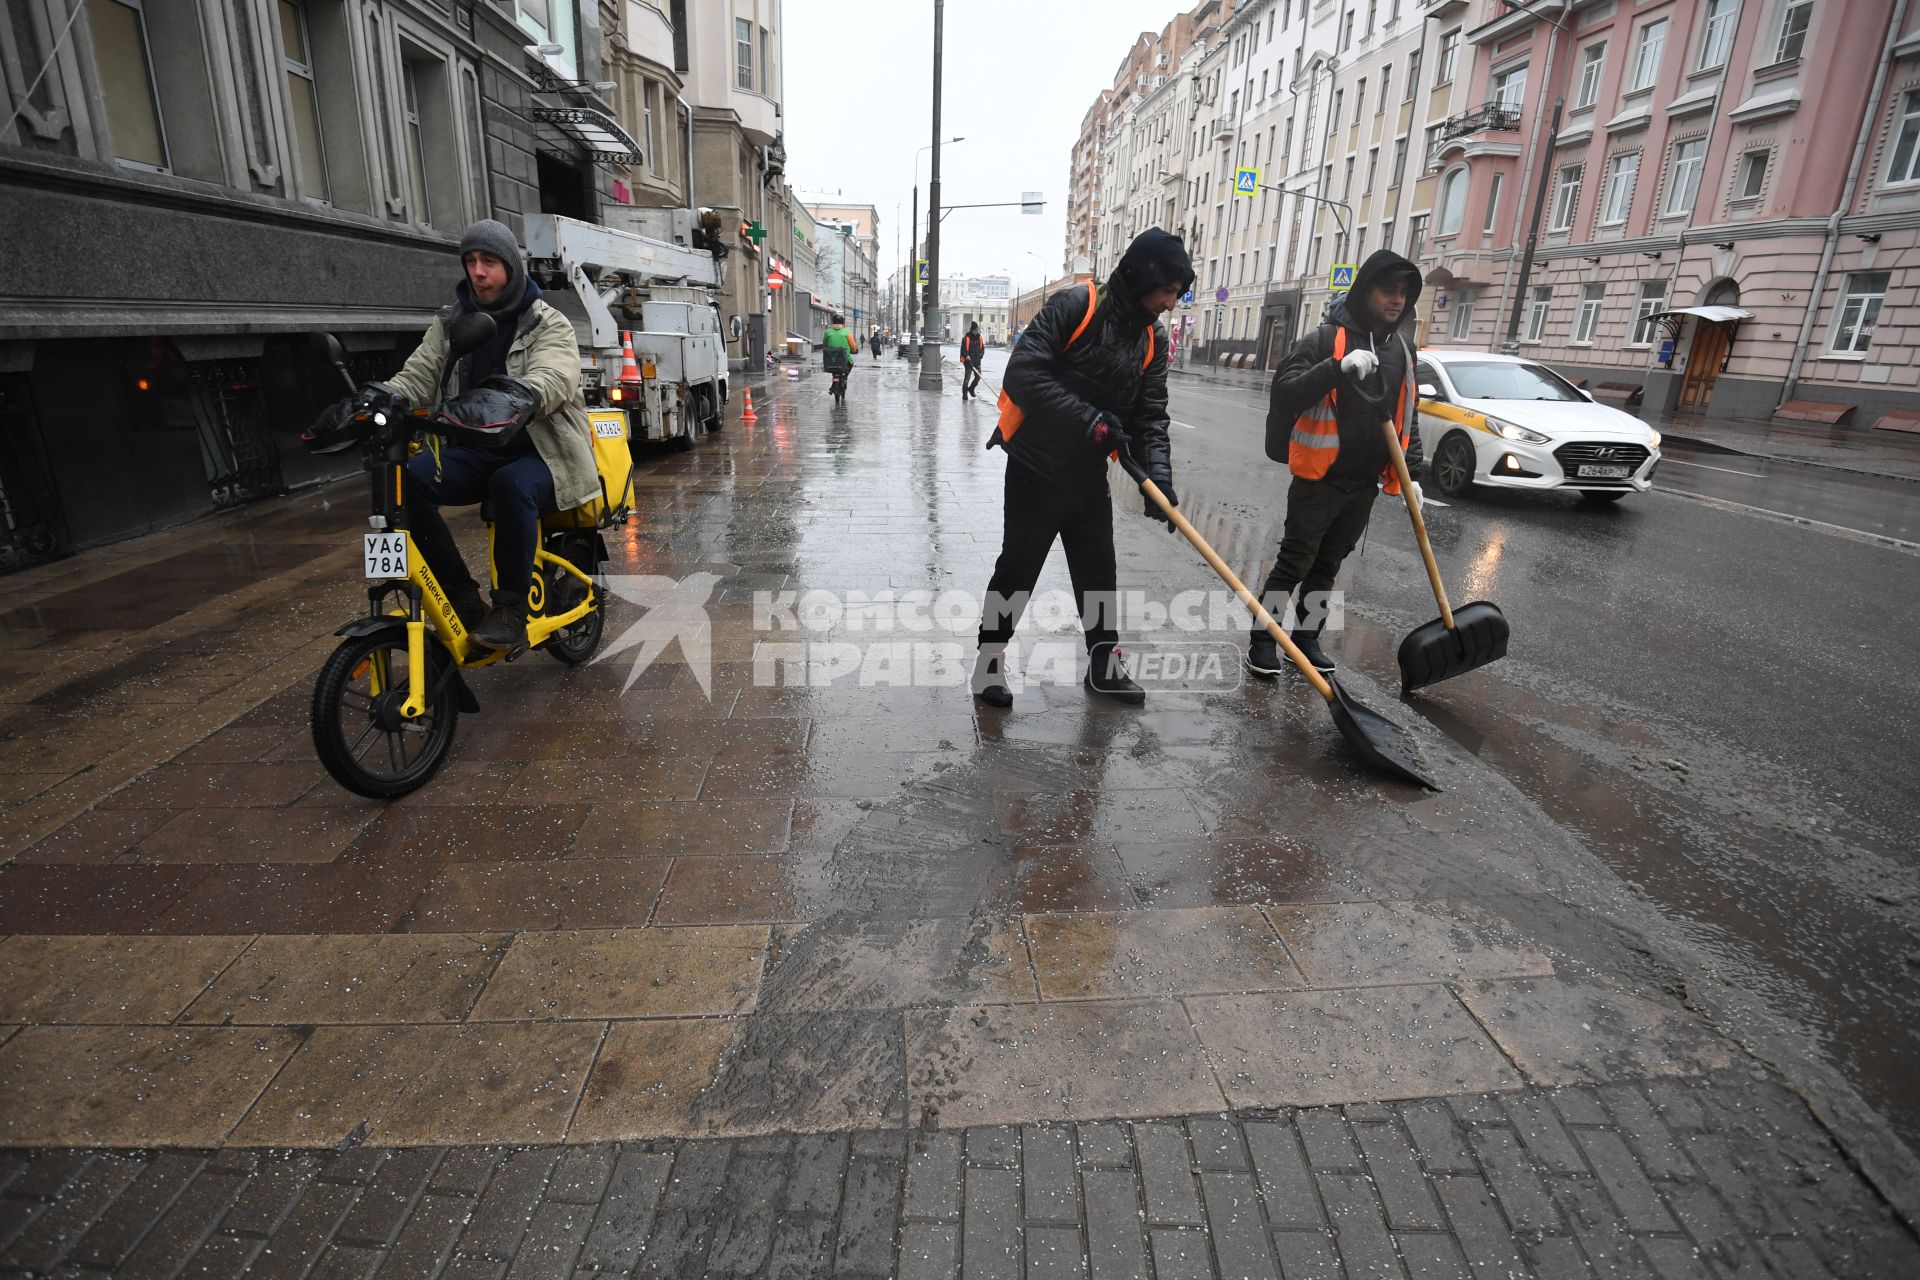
pixel 358 730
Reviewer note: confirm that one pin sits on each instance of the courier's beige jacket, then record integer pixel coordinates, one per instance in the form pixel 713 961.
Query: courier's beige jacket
pixel 546 354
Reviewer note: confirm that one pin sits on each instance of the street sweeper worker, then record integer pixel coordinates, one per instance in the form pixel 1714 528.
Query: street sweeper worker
pixel 1330 396
pixel 1089 377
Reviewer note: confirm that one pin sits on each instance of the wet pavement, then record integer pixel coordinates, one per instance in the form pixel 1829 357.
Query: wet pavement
pixel 661 919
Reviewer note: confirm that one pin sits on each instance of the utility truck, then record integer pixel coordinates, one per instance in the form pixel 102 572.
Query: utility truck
pixel 620 285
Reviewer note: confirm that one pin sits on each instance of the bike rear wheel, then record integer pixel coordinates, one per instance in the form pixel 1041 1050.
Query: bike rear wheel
pixel 358 732
pixel 576 643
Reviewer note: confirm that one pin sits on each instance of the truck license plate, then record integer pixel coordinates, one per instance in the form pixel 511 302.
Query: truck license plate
pixel 386 555
pixel 1590 471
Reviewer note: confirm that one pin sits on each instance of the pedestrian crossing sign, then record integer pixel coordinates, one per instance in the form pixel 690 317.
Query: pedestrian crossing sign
pixel 1246 182
pixel 1340 279
pixel 920 273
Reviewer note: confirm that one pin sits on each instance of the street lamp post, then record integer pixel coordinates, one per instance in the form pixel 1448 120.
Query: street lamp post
pixel 930 351
pixel 913 278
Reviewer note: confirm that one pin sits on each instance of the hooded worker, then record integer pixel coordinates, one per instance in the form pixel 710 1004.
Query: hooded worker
pixel 1089 376
pixel 1330 396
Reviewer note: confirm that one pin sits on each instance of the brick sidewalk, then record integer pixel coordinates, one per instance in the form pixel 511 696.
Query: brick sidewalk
pixel 1667 1178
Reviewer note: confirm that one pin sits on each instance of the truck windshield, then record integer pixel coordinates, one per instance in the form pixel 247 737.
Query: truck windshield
pixel 1500 380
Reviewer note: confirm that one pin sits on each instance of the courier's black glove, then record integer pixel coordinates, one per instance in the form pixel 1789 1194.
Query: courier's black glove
pixel 491 414
pixel 379 397
pixel 1106 434
pixel 1165 485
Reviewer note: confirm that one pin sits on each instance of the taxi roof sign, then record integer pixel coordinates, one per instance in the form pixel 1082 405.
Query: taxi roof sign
pixel 1340 279
pixel 1246 182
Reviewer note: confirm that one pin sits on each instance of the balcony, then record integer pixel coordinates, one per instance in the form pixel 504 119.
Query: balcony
pixel 1498 117
pixel 1222 129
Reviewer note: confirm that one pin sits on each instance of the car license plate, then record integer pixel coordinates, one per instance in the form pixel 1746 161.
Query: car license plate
pixel 1591 471
pixel 386 555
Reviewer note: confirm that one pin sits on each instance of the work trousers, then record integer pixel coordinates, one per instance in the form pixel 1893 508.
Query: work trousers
pixel 1038 510
pixel 970 384
pixel 517 487
pixel 1324 525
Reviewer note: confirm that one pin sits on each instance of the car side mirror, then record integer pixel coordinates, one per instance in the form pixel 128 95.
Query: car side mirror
pixel 1429 392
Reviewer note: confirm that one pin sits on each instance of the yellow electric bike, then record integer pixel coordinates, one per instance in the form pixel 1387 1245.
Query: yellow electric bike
pixel 388 700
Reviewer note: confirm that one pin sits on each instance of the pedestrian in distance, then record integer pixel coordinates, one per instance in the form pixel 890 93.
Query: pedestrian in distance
pixel 873 341
pixel 1330 396
pixel 973 348
pixel 1089 377
pixel 838 346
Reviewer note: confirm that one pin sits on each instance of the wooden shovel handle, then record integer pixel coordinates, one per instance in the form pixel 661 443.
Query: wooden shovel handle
pixel 1413 510
pixel 1227 576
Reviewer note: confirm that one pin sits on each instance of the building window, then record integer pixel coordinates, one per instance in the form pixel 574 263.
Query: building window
pixel 1593 60
pixel 743 53
pixel 1793 31
pixel 1453 201
pixel 1617 197
pixel 1717 36
pixel 1373 163
pixel 1449 54
pixel 766 64
pixel 653 140
pixel 126 83
pixel 551 22
pixel 1859 313
pixel 297 59
pixel 1416 237
pixel 1753 176
pixel 1386 89
pixel 1399 162
pixel 1386 234
pixel 1462 317
pixel 1510 86
pixel 1646 55
pixel 1313 257
pixel 1591 295
pixel 1688 158
pixel 1653 296
pixel 416 146
pixel 1537 312
pixel 1493 203
pixel 1906 146
pixel 1359 100
pixel 1566 196
pixel 1413 75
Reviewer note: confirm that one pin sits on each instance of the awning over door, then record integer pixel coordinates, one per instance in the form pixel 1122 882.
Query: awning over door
pixel 597 133
pixel 1719 315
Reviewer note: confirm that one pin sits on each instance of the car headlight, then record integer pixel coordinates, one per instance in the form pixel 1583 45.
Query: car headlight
pixel 1655 442
pixel 1514 431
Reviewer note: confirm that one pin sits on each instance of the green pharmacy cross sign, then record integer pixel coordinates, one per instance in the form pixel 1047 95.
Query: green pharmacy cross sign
pixel 756 233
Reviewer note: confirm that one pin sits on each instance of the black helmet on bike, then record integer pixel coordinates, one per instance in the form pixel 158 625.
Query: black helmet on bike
pixel 838 318
pixel 488 415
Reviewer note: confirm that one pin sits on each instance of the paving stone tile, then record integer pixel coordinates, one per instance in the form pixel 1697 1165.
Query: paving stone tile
pixel 428 1235
pixel 1430 1256
pixel 897 964
pixel 799 1072
pixel 63 1222
pixel 729 890
pixel 1181 1254
pixel 1117 1248
pixel 1047 1174
pixel 1069 878
pixel 1120 1059
pixel 1235 1224
pixel 1516 1183
pixel 682 829
pixel 1597 1225
pixel 44 1175
pixel 94 838
pixel 678 1246
pixel 552 1242
pixel 1281 1163
pixel 1478 1226
pixel 1329 1141
pixel 296 980
pixel 1166 1173
pixel 422 836
pixel 1398 1178
pixel 427 1085
pixel 92 900
pixel 699 1170
pixel 1055 1253
pixel 134 1086
pixel 1308 1255
pixel 994 1145
pixel 1360 1228
pixel 1142 816
pixel 468 1267
pixel 1217 1144
pixel 300 834
pixel 587 894
pixel 384 1206
pixel 581 1175
pixel 1675 1101
pixel 280 899
pixel 507 1205
pixel 105 980
pixel 1541 1132
pixel 885 1144
pixel 747 1206
pixel 868 1216
pixel 467 1170
pixel 306 1231
pixel 1578 1105
pixel 1642 1127
pixel 1678 1258
pixel 631 973
pixel 216 786
pixel 625 1214
pixel 271 1194
pixel 1104 1145
pixel 1356 944
pixel 818 1172
pixel 1562 1032
pixel 1312 1048
pixel 1626 1182
pixel 930 1251
pixel 226 1257
pixel 649 1077
pixel 347 1262
pixel 992 1245
pixel 1439 1140
pixel 1158 952
pixel 933 1177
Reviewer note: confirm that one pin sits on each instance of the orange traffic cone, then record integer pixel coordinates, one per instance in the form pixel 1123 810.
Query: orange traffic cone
pixel 747 414
pixel 629 371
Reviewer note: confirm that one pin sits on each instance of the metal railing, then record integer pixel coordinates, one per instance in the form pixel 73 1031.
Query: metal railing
pixel 1493 115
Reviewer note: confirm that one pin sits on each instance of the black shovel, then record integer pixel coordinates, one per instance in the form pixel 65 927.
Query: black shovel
pixel 1366 731
pixel 1457 641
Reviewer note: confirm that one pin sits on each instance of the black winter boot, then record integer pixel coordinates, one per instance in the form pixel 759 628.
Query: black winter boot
pixel 990 677
pixel 1309 642
pixel 1263 656
pixel 467 604
pixel 506 624
pixel 1107 673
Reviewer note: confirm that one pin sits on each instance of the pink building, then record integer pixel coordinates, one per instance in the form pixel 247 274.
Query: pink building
pixel 1732 198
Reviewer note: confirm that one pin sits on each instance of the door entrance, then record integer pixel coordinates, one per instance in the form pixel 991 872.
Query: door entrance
pixel 1704 357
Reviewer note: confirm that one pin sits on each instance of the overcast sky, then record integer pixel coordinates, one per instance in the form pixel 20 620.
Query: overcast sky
pixel 1019 77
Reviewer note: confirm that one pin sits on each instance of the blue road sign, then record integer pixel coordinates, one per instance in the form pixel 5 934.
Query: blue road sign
pixel 1187 296
pixel 1220 294
pixel 1340 279
pixel 1246 182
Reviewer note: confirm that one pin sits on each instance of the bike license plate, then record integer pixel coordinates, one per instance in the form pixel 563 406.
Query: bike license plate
pixel 1592 471
pixel 609 425
pixel 386 555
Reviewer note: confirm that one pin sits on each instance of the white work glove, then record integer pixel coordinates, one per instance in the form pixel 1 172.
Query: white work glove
pixel 1419 494
pixel 1360 365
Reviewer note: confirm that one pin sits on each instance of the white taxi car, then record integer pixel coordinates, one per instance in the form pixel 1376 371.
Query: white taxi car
pixel 1512 422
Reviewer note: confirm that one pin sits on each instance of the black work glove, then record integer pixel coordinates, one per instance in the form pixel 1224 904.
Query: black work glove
pixel 379 397
pixel 1106 434
pixel 1165 485
pixel 491 414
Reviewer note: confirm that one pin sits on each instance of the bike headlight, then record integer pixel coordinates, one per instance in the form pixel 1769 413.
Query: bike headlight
pixel 1514 431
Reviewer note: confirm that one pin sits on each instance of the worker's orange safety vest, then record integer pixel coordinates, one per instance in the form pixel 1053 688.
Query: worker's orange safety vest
pixel 1316 433
pixel 1011 415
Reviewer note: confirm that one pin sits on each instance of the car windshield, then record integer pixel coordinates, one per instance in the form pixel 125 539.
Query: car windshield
pixel 1503 380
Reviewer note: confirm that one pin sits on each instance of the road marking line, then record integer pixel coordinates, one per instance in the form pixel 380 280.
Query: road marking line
pixel 1821 526
pixel 1188 425
pixel 1701 466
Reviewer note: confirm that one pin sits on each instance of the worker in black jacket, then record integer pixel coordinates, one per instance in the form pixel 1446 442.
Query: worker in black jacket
pixel 1089 376
pixel 1333 391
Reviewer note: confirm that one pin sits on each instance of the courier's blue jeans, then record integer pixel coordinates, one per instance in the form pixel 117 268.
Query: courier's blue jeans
pixel 517 486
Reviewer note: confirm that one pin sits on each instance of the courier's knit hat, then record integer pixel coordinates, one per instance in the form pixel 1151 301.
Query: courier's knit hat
pixel 492 237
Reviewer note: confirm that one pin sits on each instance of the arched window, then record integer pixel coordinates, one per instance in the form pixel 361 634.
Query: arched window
pixel 1453 202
